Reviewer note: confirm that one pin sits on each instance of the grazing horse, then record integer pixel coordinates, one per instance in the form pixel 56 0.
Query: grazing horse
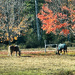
pixel 13 48
pixel 62 47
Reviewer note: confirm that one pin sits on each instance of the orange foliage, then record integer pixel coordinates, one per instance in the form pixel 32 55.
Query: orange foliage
pixel 48 0
pixel 51 22
pixel 15 38
pixel 73 27
pixel 64 31
pixel 65 8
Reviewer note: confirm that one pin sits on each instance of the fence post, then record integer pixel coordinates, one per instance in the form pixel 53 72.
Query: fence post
pixel 56 47
pixel 45 45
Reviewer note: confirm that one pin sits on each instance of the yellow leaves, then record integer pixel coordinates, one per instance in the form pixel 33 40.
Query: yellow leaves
pixel 6 34
pixel 11 39
pixel 69 0
pixel 19 33
pixel 10 27
pixel 25 30
pixel 15 38
pixel 15 28
pixel 7 39
pixel 23 26
pixel 21 22
pixel 1 41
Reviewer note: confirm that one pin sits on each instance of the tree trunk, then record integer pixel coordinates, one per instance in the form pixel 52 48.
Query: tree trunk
pixel 37 22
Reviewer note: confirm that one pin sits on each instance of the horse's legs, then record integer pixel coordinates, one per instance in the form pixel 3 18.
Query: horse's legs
pixel 58 51
pixel 11 53
pixel 19 53
pixel 16 53
pixel 61 50
pixel 64 51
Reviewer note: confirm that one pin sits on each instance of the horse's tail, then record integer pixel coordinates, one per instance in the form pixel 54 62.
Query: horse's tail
pixel 9 51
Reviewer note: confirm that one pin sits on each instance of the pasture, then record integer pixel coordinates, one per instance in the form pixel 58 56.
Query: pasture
pixel 36 62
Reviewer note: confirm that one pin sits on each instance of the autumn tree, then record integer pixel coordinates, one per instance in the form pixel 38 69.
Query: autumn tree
pixel 12 23
pixel 61 22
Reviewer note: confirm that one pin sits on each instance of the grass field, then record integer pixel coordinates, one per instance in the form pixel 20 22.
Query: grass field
pixel 38 63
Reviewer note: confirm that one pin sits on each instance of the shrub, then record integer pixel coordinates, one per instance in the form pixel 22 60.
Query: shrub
pixel 68 43
pixel 32 42
pixel 22 46
pixel 3 46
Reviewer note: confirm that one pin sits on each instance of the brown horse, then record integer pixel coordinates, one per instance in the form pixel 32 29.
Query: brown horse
pixel 13 48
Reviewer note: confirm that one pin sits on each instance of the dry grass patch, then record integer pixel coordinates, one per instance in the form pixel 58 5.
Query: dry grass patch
pixel 39 65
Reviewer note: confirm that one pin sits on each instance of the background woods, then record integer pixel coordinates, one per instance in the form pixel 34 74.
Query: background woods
pixel 18 21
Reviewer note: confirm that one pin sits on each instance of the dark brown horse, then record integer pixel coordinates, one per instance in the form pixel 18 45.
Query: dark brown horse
pixel 13 48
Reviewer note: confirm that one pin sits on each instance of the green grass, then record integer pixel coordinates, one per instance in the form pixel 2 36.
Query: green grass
pixel 35 72
pixel 26 72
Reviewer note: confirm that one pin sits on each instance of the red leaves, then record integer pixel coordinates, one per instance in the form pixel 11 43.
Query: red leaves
pixel 73 27
pixel 64 31
pixel 48 0
pixel 63 16
pixel 51 21
pixel 65 8
pixel 61 25
pixel 73 20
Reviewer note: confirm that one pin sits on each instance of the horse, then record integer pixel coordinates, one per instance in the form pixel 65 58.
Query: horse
pixel 61 47
pixel 13 48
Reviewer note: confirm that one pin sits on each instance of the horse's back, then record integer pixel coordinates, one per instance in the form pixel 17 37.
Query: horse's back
pixel 12 48
pixel 62 46
pixel 16 48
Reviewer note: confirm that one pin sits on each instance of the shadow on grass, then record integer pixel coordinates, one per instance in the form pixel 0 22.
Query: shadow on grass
pixel 26 56
pixel 62 72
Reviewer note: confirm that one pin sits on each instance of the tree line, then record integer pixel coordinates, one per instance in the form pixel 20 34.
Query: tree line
pixel 18 22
